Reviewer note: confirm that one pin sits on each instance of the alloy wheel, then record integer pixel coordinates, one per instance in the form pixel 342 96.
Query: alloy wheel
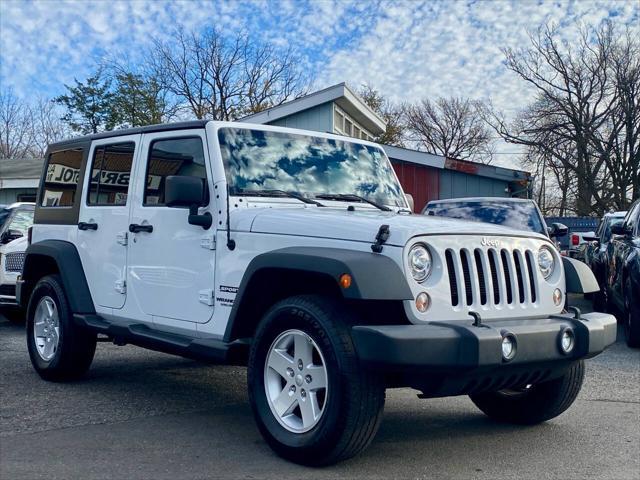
pixel 295 381
pixel 46 328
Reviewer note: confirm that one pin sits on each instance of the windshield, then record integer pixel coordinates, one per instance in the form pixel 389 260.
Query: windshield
pixel 20 221
pixel 256 160
pixel 518 215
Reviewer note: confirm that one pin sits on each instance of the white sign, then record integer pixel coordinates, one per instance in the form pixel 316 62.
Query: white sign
pixel 57 173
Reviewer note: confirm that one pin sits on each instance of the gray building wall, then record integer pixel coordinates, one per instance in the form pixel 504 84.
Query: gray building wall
pixel 457 184
pixel 319 119
pixel 10 195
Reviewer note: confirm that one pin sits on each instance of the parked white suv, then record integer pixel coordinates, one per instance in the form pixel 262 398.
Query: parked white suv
pixel 15 221
pixel 295 253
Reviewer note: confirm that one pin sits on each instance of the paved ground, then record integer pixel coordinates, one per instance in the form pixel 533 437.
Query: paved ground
pixel 141 414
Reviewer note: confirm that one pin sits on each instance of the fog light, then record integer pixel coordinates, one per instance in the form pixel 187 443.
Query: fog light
pixel 557 297
pixel 423 301
pixel 508 347
pixel 567 340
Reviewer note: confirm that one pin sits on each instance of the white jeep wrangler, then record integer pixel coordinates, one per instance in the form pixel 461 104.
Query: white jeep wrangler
pixel 295 253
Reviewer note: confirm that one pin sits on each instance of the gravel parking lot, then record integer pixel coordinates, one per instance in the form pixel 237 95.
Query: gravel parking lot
pixel 141 414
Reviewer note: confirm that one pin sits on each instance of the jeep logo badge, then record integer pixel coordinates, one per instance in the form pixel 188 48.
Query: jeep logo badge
pixel 490 242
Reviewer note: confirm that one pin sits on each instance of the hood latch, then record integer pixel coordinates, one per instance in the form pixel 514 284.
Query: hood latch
pixel 381 238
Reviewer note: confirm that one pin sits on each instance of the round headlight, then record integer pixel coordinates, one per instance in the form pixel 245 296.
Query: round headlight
pixel 419 262
pixel 546 261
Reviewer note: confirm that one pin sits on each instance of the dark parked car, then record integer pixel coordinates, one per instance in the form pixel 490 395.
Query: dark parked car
pixel 623 283
pixel 519 213
pixel 595 255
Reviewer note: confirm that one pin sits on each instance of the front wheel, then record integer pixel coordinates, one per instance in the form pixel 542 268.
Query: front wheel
pixel 534 403
pixel 59 349
pixel 313 401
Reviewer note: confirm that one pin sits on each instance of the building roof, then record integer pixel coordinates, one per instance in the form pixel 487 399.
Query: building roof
pixel 463 166
pixel 20 172
pixel 340 94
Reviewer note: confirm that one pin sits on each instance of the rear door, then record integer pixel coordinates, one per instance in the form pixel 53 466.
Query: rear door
pixel 171 263
pixel 104 218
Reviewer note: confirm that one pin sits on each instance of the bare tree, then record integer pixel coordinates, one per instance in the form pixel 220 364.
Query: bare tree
pixel 585 117
pixel 226 77
pixel 16 132
pixel 391 113
pixel 452 127
pixel 47 126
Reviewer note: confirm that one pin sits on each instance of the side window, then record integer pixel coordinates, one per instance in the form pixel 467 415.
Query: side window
pixel 110 174
pixel 174 156
pixel 61 178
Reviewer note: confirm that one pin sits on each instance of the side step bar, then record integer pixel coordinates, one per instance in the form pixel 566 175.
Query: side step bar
pixel 204 349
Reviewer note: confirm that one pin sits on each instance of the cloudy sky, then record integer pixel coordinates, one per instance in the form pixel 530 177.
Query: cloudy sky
pixel 406 49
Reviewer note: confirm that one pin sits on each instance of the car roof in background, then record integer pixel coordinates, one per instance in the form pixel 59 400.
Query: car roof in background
pixel 18 205
pixel 615 214
pixel 481 199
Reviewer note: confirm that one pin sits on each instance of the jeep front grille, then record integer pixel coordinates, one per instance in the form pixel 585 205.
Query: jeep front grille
pixel 497 277
pixel 14 261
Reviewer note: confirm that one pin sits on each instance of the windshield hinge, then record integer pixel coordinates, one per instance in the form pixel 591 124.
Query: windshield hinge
pixel 208 242
pixel 381 238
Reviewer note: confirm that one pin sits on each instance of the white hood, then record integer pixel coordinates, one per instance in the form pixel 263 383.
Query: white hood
pixel 360 225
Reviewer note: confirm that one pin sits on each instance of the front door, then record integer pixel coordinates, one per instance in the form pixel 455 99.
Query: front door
pixel 104 218
pixel 171 263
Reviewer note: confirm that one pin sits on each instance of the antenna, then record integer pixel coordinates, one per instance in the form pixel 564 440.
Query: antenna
pixel 231 244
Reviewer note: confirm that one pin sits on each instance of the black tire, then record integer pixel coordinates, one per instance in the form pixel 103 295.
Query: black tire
pixel 631 317
pixel 76 345
pixel 600 299
pixel 536 404
pixel 355 400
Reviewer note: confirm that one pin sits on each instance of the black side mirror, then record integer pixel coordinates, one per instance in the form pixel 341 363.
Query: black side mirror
pixel 618 229
pixel 589 238
pixel 184 191
pixel 557 230
pixel 10 235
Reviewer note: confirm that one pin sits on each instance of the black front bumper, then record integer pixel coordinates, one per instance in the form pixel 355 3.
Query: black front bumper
pixel 463 356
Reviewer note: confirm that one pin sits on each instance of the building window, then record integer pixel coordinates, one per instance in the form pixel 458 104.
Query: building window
pixel 61 178
pixel 347 127
pixel 356 132
pixel 338 121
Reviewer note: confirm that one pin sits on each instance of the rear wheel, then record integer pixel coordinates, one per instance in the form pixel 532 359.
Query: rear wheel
pixel 313 401
pixel 59 349
pixel 631 317
pixel 534 403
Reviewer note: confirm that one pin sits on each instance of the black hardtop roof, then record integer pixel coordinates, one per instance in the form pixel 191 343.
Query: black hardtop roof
pixel 162 127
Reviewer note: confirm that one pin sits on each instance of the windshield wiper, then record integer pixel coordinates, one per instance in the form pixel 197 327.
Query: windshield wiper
pixel 352 197
pixel 272 193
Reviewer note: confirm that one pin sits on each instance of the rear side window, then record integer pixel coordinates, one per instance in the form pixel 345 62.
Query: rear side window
pixel 175 156
pixel 110 174
pixel 61 178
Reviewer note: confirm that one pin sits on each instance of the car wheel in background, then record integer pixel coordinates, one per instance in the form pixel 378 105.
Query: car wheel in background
pixel 631 316
pixel 533 404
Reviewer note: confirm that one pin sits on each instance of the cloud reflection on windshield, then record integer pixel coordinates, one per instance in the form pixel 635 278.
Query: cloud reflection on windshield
pixel 259 160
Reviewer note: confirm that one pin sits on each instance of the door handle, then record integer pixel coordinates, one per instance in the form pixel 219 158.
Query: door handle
pixel 87 226
pixel 135 228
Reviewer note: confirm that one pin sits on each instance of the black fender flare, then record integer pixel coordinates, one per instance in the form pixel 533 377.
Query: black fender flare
pixel 579 277
pixel 69 266
pixel 374 276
